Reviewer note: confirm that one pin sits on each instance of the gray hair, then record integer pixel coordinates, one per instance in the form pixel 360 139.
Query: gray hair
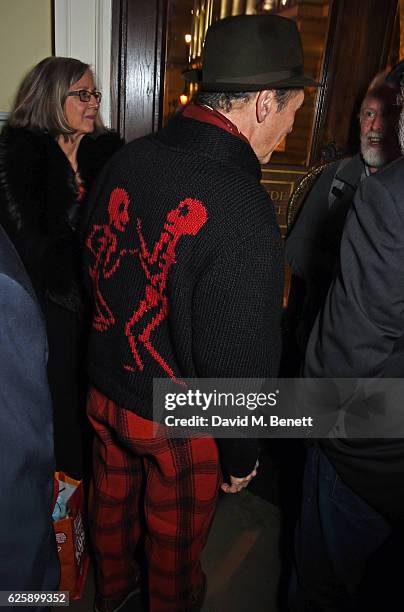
pixel 40 100
pixel 283 96
pixel 226 101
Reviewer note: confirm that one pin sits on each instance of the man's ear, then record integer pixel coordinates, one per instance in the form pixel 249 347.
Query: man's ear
pixel 265 104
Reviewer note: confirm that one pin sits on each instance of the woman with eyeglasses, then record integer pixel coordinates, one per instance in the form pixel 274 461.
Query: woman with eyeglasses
pixel 51 150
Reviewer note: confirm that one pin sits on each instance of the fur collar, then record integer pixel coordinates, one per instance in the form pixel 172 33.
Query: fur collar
pixel 37 190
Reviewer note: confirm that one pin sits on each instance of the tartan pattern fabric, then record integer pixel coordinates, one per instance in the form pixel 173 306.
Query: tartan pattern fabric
pixel 171 484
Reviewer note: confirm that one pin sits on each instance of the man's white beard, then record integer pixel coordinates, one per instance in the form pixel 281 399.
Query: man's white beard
pixel 373 157
pixel 401 131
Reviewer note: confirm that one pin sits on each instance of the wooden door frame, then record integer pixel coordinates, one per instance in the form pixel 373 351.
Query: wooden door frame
pixel 137 66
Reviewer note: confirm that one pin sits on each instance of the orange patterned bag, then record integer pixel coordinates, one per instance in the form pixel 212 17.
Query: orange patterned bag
pixel 71 539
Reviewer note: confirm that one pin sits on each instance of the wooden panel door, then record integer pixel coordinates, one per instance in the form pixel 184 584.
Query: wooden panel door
pixel 137 73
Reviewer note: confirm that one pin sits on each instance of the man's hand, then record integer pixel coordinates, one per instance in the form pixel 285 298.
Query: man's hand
pixel 237 484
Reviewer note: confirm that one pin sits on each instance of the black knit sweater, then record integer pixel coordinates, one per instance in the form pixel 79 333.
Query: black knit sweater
pixel 185 260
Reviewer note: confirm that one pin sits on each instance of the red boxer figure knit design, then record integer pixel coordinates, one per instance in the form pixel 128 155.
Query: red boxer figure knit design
pixel 185 220
pixel 103 243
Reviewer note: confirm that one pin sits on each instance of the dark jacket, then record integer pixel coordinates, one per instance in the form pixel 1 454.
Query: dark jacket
pixel 360 333
pixel 312 244
pixel 312 251
pixel 27 539
pixel 39 211
pixel 38 205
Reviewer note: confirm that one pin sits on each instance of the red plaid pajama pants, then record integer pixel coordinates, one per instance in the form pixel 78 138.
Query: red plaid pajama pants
pixel 171 483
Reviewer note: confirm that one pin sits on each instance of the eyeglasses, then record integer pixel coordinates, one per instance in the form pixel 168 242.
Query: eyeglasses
pixel 85 95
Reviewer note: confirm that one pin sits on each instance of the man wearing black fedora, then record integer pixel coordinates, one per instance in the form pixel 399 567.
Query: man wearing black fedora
pixel 190 287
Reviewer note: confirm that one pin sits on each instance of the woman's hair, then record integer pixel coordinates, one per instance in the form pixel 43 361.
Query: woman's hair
pixel 40 100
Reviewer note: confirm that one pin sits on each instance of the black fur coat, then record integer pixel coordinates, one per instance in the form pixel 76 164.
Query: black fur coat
pixel 38 202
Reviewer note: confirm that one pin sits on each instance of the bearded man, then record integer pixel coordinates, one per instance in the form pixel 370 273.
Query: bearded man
pixel 353 507
pixel 313 243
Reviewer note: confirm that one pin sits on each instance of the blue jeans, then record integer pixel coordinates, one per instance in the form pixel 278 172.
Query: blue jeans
pixel 338 533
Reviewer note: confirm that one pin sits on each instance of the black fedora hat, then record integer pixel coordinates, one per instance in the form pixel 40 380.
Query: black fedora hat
pixel 396 75
pixel 251 53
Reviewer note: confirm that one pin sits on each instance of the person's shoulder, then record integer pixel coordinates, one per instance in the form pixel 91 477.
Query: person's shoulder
pixel 11 265
pixel 319 177
pixel 22 141
pixel 109 139
pixel 23 158
pixel 347 169
pixel 102 146
pixel 95 151
pixel 311 194
pixel 12 134
pixel 8 254
pixel 391 175
pixel 387 184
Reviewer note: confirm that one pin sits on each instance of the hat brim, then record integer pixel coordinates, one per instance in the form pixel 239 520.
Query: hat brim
pixel 294 82
pixel 396 75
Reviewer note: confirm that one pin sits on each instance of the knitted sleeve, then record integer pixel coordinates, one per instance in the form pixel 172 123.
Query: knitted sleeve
pixel 236 323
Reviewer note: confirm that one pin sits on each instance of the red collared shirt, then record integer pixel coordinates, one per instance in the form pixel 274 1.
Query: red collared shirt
pixel 209 115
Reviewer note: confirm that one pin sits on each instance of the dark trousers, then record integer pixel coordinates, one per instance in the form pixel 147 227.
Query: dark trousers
pixel 339 540
pixel 63 372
